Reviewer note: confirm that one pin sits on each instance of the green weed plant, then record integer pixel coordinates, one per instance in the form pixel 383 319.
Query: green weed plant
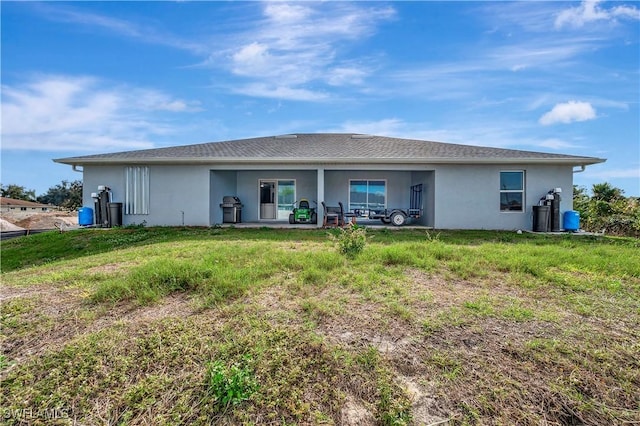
pixel 230 385
pixel 351 240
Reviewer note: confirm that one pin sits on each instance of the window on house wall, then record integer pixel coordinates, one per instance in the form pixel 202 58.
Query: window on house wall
pixel 136 192
pixel 512 191
pixel 367 195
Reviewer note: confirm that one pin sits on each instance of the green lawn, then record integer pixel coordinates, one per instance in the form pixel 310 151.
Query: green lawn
pixel 263 326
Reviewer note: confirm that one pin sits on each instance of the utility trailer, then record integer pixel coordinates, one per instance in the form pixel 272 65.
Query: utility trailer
pixel 398 217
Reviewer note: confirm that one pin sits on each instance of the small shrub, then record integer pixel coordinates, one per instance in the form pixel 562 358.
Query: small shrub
pixel 230 385
pixel 351 240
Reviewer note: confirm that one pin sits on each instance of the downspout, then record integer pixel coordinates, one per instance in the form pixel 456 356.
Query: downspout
pixel 582 169
pixel 75 169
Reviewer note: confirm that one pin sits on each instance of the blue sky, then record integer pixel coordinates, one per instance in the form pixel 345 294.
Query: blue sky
pixel 90 77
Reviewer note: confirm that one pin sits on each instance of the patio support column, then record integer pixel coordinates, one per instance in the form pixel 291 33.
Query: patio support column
pixel 320 197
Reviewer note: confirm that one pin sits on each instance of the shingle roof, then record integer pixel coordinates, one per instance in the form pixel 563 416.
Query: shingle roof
pixel 327 147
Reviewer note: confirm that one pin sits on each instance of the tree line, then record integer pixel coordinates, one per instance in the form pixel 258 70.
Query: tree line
pixel 66 194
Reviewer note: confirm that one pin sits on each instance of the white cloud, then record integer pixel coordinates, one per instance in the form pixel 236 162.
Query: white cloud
pixel 77 113
pixel 342 76
pixel 590 11
pixel 568 112
pixel 537 53
pixel 282 12
pixel 261 90
pixel 251 59
pixel 482 73
pixel 122 27
pixel 556 144
pixel 296 45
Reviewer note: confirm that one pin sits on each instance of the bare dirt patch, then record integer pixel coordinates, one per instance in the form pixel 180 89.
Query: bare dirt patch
pixel 174 305
pixel 6 226
pixel 446 293
pixel 365 323
pixel 41 220
pixel 423 403
pixel 354 413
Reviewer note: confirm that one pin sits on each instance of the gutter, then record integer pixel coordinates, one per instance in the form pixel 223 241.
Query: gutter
pixel 79 161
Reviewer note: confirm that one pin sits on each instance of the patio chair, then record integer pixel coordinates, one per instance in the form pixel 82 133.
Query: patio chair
pixel 350 216
pixel 331 215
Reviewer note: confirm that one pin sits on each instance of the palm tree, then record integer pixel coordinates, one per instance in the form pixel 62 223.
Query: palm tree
pixel 605 192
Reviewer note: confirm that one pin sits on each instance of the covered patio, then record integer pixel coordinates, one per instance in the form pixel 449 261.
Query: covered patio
pixel 268 196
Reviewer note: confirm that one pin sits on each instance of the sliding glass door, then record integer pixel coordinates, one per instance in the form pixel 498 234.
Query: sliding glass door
pixel 277 198
pixel 286 198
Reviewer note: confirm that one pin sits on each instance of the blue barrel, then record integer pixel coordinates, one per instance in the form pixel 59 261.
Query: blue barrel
pixel 85 216
pixel 571 220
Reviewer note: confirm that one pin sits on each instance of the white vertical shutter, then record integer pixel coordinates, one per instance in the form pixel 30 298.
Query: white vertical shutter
pixel 136 196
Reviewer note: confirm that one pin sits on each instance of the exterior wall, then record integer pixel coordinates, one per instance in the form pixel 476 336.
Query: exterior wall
pixel 455 196
pixel 177 189
pixel 172 190
pixel 468 197
pixel 248 187
pixel 337 185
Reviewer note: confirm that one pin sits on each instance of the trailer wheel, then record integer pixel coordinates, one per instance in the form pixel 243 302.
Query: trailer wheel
pixel 398 219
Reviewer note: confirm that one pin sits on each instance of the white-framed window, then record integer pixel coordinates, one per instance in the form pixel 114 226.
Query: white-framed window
pixel 512 191
pixel 367 195
pixel 136 190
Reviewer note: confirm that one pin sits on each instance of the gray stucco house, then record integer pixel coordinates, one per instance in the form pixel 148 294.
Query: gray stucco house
pixel 464 186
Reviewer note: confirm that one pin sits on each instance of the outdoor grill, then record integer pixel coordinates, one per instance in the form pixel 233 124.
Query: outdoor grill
pixel 231 209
